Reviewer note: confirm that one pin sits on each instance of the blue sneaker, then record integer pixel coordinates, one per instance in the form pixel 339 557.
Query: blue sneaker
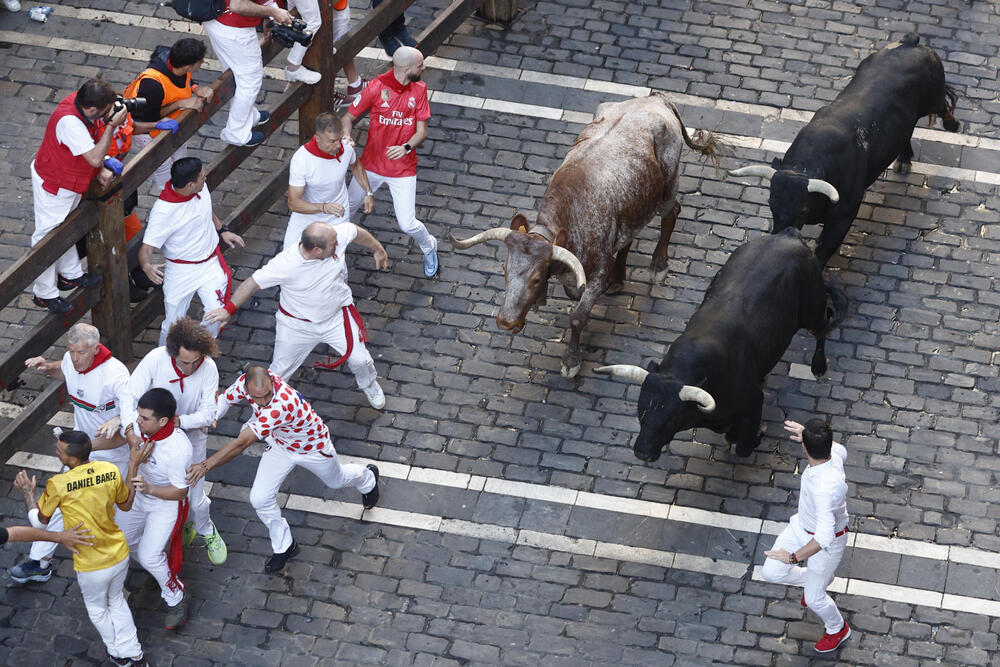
pixel 256 138
pixel 264 117
pixel 431 263
pixel 30 570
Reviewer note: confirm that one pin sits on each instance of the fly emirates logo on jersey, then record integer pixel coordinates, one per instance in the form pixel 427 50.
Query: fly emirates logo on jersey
pixel 395 118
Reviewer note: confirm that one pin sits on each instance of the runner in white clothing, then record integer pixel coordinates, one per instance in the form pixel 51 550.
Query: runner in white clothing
pixel 317 179
pixel 295 436
pixel 153 526
pixel 316 304
pixel 183 225
pixel 818 532
pixel 185 368
pixel 95 381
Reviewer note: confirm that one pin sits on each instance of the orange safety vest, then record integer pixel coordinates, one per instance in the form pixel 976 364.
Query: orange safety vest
pixel 340 5
pixel 121 141
pixel 171 93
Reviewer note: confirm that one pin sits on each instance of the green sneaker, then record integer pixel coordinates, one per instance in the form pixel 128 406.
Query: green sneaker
pixel 216 546
pixel 188 535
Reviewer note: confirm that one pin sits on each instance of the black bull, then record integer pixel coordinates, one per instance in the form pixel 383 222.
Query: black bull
pixel 849 143
pixel 713 374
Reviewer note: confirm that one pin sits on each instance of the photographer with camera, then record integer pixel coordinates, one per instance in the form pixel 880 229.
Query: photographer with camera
pixel 166 87
pixel 72 154
pixel 234 39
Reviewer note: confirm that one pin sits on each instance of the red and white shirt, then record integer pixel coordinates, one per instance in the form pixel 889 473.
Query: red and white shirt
pixel 287 420
pixel 395 110
pixel 170 460
pixel 182 227
pixel 311 289
pixel 324 177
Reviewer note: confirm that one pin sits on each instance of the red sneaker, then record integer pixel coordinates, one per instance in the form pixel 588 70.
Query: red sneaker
pixel 832 642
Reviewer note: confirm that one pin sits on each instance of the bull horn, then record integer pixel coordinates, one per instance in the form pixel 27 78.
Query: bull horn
pixel 761 170
pixel 560 254
pixel 817 185
pixel 626 371
pixel 495 234
pixel 704 399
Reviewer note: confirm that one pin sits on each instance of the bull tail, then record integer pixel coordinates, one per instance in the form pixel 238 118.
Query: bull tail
pixel 704 142
pixel 948 116
pixel 836 308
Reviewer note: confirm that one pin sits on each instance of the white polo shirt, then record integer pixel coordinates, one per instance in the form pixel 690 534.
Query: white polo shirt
pixel 823 497
pixel 74 135
pixel 169 463
pixel 324 178
pixel 195 393
pixel 311 289
pixel 182 228
pixel 95 393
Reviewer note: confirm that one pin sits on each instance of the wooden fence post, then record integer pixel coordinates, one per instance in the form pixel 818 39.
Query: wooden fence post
pixel 106 253
pixel 319 58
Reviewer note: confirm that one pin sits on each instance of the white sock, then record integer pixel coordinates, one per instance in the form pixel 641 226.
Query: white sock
pixel 355 83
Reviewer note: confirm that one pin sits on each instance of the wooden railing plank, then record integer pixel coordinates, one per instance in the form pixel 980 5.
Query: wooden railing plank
pixel 34 415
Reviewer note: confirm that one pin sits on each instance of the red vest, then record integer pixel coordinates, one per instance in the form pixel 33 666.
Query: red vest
pixel 238 20
pixel 57 166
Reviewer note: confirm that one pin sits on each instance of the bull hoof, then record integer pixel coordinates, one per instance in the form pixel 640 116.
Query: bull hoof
pixel 818 366
pixel 615 288
pixel 902 167
pixel 951 124
pixel 660 276
pixel 569 371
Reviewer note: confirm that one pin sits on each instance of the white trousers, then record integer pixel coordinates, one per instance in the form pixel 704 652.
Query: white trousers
pixel 182 281
pixel 162 173
pixel 43 550
pixel 147 527
pixel 814 577
pixel 275 465
pixel 104 597
pixel 309 11
pixel 297 223
pixel 295 339
pixel 404 193
pixel 50 211
pixel 198 510
pixel 239 50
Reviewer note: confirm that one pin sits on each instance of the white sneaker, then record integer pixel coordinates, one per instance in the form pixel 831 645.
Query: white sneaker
pixel 375 396
pixel 12 5
pixel 301 74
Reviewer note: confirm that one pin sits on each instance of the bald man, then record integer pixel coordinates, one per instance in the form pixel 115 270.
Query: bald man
pixel 316 304
pixel 397 102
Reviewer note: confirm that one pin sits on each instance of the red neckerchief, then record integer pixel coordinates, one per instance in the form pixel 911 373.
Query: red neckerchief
pixel 103 354
pixel 314 148
pixel 180 374
pixel 163 433
pixel 389 80
pixel 170 195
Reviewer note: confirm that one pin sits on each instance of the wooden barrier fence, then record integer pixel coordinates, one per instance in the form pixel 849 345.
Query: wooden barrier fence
pixel 99 217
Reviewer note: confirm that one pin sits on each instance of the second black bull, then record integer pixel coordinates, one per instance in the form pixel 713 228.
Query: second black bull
pixel 713 374
pixel 821 179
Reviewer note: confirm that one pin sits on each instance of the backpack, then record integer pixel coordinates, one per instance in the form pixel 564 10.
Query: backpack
pixel 200 10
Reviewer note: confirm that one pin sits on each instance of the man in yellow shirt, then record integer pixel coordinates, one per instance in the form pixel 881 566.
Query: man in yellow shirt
pixel 87 493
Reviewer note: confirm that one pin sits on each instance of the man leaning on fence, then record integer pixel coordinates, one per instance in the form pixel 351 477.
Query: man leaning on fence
pixel 77 138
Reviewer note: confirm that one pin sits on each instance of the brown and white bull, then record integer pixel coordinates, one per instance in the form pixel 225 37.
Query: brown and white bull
pixel 620 172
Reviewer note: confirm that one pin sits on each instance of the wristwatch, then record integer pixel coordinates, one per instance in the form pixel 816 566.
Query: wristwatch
pixel 223 229
pixel 408 148
pixel 369 194
pixel 794 558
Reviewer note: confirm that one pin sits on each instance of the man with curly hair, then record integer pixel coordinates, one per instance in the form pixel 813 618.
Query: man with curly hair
pixel 185 368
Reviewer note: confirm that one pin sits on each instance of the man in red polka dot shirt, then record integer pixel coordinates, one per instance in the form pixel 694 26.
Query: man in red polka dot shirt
pixel 295 436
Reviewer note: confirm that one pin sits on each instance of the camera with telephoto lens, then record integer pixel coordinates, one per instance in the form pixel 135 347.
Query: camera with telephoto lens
pixel 286 35
pixel 132 104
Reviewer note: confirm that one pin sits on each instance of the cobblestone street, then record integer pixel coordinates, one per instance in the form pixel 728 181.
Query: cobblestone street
pixel 516 526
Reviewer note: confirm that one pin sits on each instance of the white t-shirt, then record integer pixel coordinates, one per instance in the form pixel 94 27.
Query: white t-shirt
pixel 325 179
pixel 195 393
pixel 73 134
pixel 183 230
pixel 823 497
pixel 311 289
pixel 95 394
pixel 169 463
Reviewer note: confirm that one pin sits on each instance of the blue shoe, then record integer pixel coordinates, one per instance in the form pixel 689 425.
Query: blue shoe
pixel 264 117
pixel 256 138
pixel 30 570
pixel 431 263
